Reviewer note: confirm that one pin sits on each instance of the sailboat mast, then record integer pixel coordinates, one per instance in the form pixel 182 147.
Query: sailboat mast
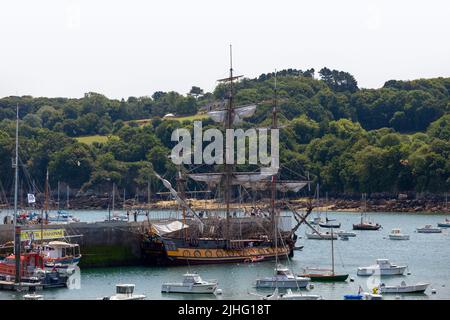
pixel 113 196
pixel 46 206
pixel 16 168
pixel 332 251
pixel 58 194
pixel 16 179
pixel 228 166
pixel 273 184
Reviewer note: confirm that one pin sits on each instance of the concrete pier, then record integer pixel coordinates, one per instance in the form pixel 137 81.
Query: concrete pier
pixel 102 244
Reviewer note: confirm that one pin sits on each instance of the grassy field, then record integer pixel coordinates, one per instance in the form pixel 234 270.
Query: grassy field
pixel 190 118
pixel 91 139
pixel 143 122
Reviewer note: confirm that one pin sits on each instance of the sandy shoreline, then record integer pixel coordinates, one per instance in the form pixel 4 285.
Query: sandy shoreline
pixel 335 205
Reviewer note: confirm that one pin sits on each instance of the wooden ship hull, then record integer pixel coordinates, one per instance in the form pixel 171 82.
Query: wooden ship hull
pixel 178 251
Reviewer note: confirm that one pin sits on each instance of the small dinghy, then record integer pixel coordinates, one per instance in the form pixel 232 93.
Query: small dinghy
pixel 383 268
pixel 429 229
pixel 396 234
pixel 33 296
pixel 364 295
pixel 192 283
pixel 404 288
pixel 125 292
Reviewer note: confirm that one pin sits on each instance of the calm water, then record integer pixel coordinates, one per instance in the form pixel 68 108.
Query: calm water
pixel 427 257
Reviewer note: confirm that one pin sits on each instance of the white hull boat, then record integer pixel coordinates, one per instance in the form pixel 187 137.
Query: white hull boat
pixel 403 288
pixel 321 236
pixel 289 295
pixel 383 268
pixel 125 292
pixel 429 229
pixel 283 278
pixel 396 234
pixel 273 282
pixel 343 233
pixel 372 296
pixel 192 283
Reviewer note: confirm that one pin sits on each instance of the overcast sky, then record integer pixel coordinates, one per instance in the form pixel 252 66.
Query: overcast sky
pixel 133 48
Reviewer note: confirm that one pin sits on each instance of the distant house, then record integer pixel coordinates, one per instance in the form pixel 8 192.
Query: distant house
pixel 216 105
pixel 169 115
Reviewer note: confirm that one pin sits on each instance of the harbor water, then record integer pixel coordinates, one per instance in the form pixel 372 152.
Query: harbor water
pixel 426 255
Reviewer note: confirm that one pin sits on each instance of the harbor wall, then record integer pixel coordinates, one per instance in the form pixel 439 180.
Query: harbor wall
pixel 102 244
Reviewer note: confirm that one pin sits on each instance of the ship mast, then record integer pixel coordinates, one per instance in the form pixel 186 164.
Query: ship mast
pixel 46 206
pixel 16 180
pixel 273 184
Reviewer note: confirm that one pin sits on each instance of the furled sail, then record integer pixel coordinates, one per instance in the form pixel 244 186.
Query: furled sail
pixel 180 201
pixel 239 114
pixel 238 178
pixel 169 227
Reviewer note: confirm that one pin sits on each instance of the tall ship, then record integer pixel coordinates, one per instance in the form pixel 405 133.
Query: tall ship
pixel 227 234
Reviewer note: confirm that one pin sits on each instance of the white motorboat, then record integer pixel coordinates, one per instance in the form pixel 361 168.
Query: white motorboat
pixel 403 288
pixel 192 283
pixel 125 292
pixel 283 278
pixel 289 295
pixel 429 229
pixel 445 224
pixel 62 217
pixel 321 235
pixel 396 234
pixel 343 233
pixel 383 268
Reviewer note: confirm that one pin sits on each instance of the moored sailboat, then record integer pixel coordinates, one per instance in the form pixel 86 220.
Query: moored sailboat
pixel 325 275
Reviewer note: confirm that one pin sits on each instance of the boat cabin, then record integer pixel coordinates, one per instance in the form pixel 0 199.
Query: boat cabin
pixel 125 289
pixel 283 271
pixel 383 263
pixel 61 249
pixel 191 278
